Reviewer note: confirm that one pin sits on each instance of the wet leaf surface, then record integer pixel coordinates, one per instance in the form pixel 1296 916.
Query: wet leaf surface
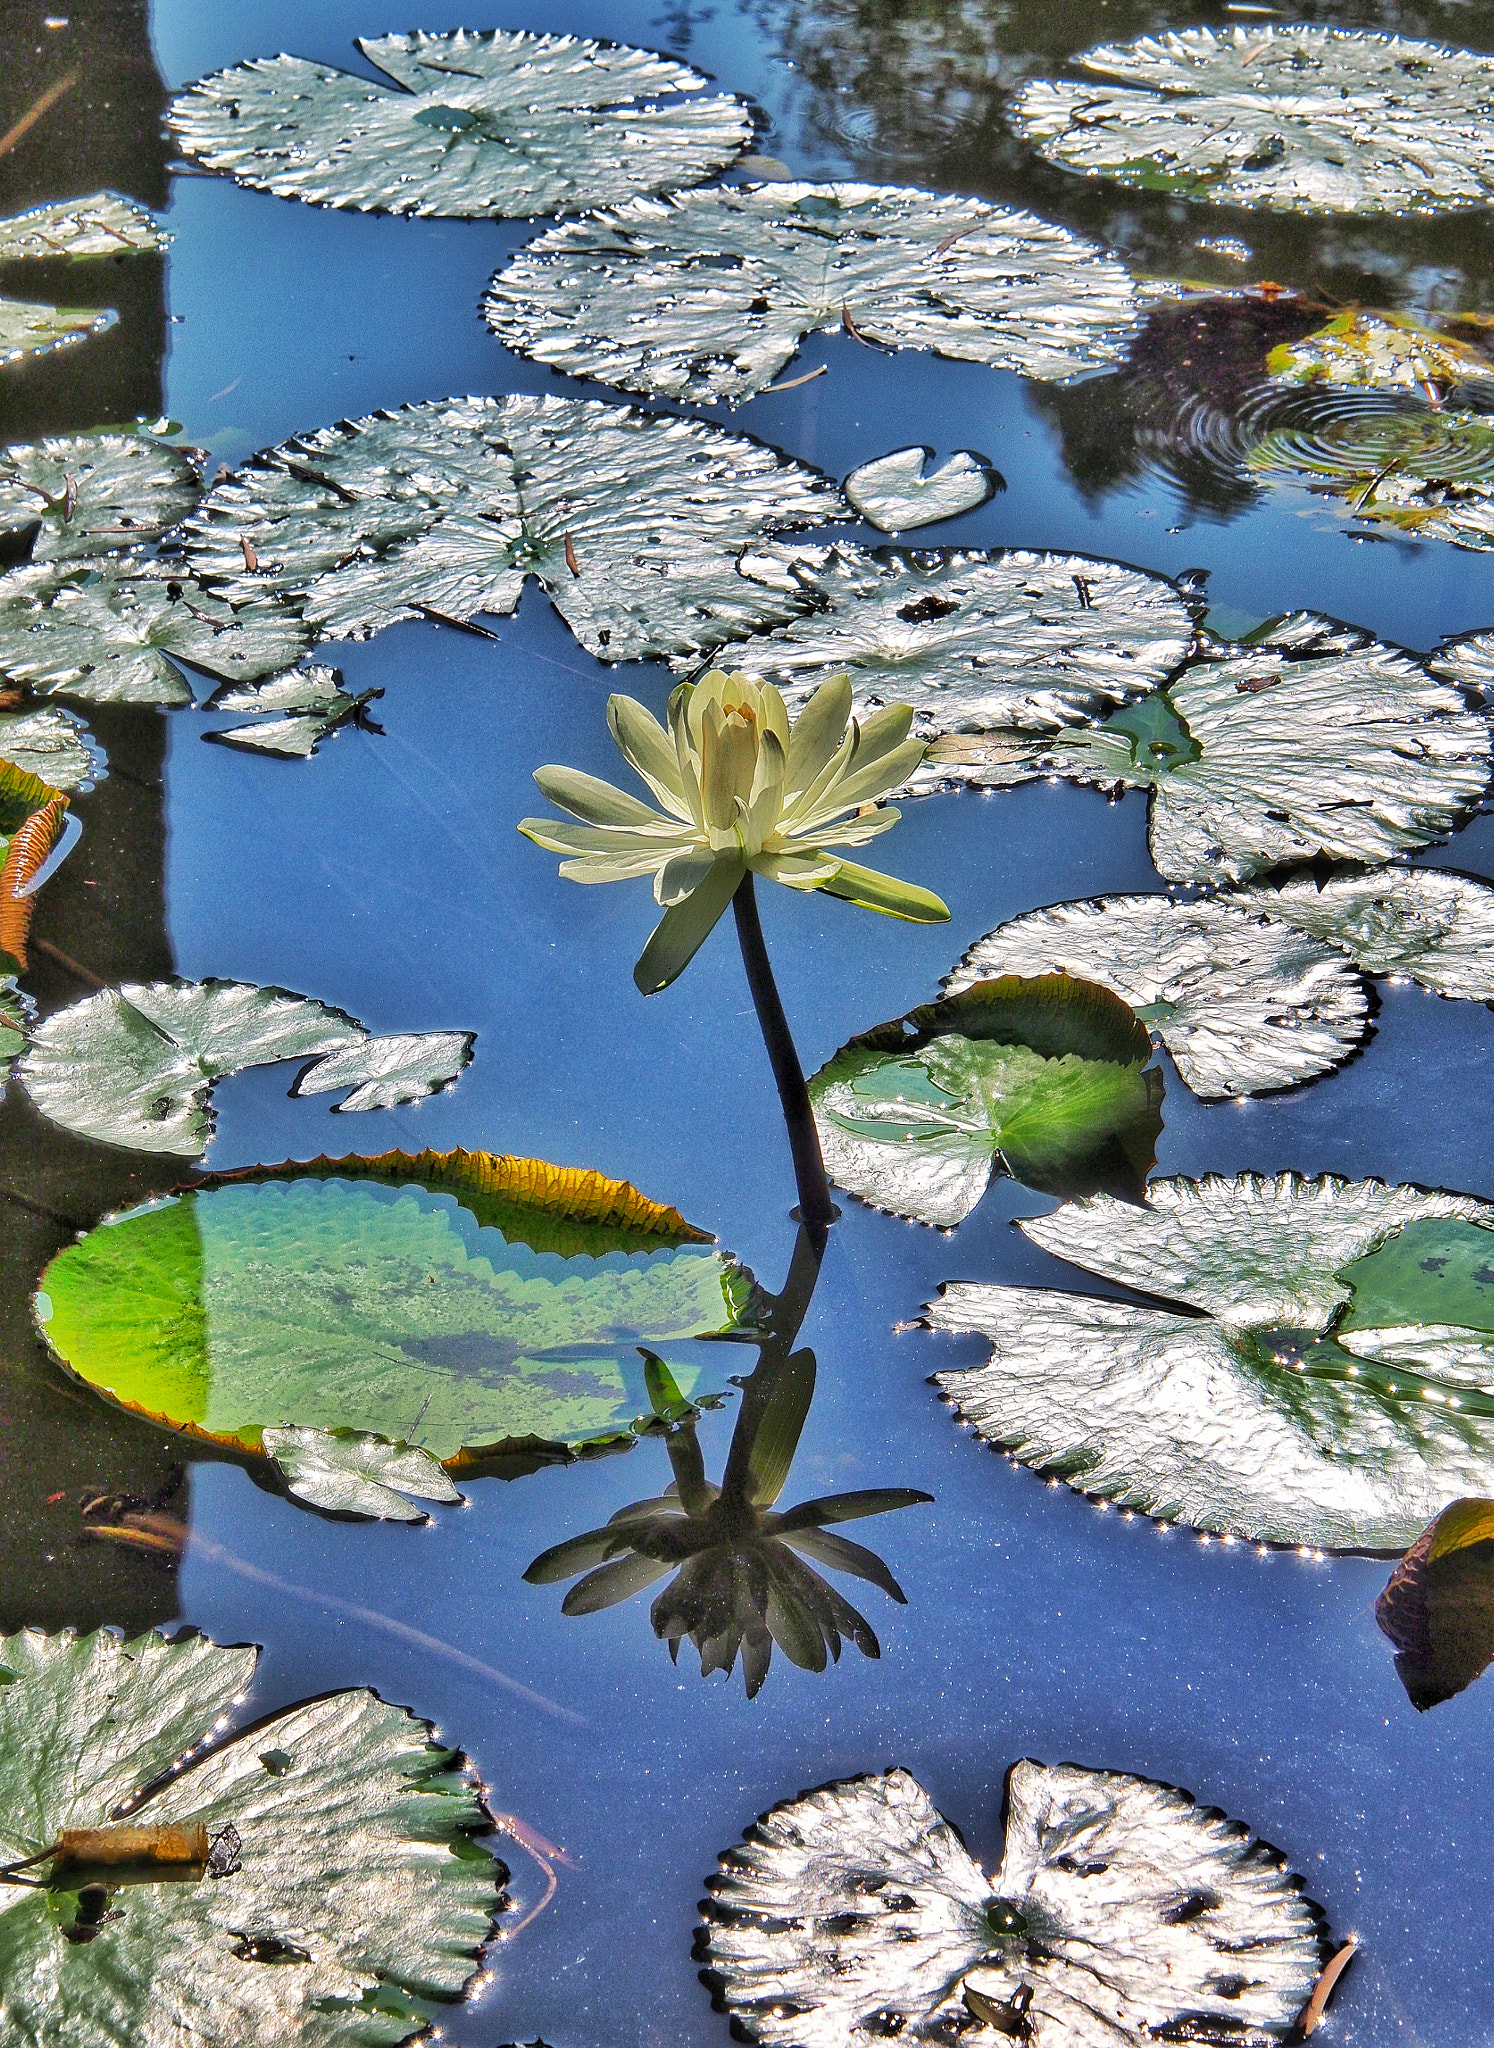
pixel 1120 1913
pixel 384 1072
pixel 1423 924
pixel 478 125
pixel 892 493
pixel 1042 1079
pixel 633 524
pixel 973 641
pixel 1379 351
pixel 102 225
pixel 338 1304
pixel 351 1859
pixel 81 496
pixel 349 1472
pixel 56 746
pixel 106 635
pixel 134 1066
pixel 30 329
pixel 707 295
pixel 1266 1409
pixel 1243 1006
pixel 1438 1607
pixel 1316 120
pixel 311 704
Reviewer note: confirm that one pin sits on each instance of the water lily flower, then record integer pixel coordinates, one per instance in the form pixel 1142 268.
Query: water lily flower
pixel 742 791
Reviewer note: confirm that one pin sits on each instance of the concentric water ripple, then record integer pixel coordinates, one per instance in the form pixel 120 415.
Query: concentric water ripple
pixel 1338 436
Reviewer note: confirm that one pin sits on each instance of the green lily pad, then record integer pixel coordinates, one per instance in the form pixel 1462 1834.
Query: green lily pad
pixel 349 1860
pixel 706 295
pixel 1309 120
pixel 1378 351
pixel 1121 1913
pixel 486 125
pixel 29 329
pixel 16 1012
pixel 385 1072
pixel 1294 1396
pixel 1438 1608
pixel 388 1309
pixel 1044 1079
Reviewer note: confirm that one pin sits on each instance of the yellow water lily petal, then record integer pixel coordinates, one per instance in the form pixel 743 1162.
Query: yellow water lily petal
pixel 649 751
pixel 685 872
pixel 853 831
pixel 817 732
pixel 684 928
pixel 556 836
pixel 589 797
pixel 796 870
pixel 865 784
pixel 886 893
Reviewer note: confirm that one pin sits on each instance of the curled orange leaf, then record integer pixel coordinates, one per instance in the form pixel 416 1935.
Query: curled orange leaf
pixel 29 847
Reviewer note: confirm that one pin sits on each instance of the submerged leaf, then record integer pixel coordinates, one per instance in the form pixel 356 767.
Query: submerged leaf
pixel 1243 1006
pixel 1042 1079
pixel 134 1065
pixel 1320 743
pixel 494 124
pixel 562 1209
pixel 54 745
pixel 1438 1608
pixel 354 1862
pixel 312 704
pixel 384 1072
pixel 1315 120
pixel 83 496
pixel 349 1472
pixel 893 493
pixel 1270 1409
pixel 338 1304
pixel 104 635
pixel 707 295
pixel 854 1913
pixel 632 523
pixel 1391 458
pixel 971 641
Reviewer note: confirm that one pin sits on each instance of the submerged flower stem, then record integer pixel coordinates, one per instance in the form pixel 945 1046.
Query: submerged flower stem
pixel 816 1209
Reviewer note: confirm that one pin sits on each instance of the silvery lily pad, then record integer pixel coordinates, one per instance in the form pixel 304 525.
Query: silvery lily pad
pixel 31 329
pixel 1315 120
pixel 350 1472
pixel 312 705
pixel 1243 1006
pixel 1317 1390
pixel 54 745
pixel 1378 351
pixel 100 226
pixel 80 496
pixel 1121 1913
pixel 384 1072
pixel 106 634
pixel 1040 1078
pixel 1327 745
pixel 893 493
pixel 633 524
pixel 1418 924
pixel 134 1065
pixel 477 125
pixel 16 1012
pixel 972 641
pixel 341 1891
pixel 707 295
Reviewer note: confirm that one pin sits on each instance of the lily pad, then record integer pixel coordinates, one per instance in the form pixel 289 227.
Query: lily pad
pixel 102 225
pixel 1268 1409
pixel 134 1065
pixel 1438 1608
pixel 1308 120
pixel 487 125
pixel 1324 745
pixel 1243 1006
pixel 16 1012
pixel 338 1304
pixel 632 523
pixel 106 634
pixel 30 329
pixel 77 497
pixel 312 703
pixel 1418 924
pixel 706 295
pixel 893 493
pixel 1042 1079
pixel 973 641
pixel 1378 351
pixel 54 745
pixel 1391 458
pixel 1121 1913
pixel 349 1472
pixel 352 1862
pixel 384 1072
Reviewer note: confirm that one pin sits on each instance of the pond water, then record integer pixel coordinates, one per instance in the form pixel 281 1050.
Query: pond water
pixel 386 877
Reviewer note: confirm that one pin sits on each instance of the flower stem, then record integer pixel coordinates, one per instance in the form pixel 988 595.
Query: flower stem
pixel 816 1209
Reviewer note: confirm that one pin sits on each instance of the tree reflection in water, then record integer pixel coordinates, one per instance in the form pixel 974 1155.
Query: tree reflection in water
pixel 743 1571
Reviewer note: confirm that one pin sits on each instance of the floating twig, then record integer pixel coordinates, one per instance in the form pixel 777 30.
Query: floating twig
pixel 35 111
pixel 794 382
pixel 855 333
pixel 570 556
pixel 1310 2017
pixel 428 611
pixel 959 233
pixel 545 1854
pixel 251 559
pixel 66 960
pixel 314 476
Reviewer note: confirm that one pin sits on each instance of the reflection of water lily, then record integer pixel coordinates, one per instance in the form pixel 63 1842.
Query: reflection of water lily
pixel 742 791
pixel 741 1580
